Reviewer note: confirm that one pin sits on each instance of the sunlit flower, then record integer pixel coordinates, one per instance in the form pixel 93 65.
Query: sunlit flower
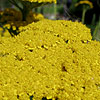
pixel 31 67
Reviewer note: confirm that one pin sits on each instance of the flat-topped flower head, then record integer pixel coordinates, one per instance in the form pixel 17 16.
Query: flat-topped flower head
pixel 50 60
pixel 85 2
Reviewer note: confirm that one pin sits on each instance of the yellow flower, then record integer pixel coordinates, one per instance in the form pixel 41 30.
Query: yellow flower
pixel 85 2
pixel 7 26
pixel 14 27
pixel 40 1
pixel 68 71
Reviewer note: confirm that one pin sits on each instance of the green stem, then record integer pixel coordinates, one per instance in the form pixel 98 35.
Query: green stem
pixel 25 13
pixel 15 4
pixel 93 19
pixel 55 10
pixel 24 10
pixel 83 15
pixel 27 7
pixel 96 31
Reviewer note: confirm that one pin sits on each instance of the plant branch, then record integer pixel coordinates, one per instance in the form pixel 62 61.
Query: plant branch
pixel 14 3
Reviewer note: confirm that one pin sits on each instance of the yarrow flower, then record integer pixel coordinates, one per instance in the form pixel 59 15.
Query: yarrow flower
pixel 40 1
pixel 84 2
pixel 50 59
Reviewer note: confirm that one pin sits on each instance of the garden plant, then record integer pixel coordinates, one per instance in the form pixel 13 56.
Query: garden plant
pixel 43 59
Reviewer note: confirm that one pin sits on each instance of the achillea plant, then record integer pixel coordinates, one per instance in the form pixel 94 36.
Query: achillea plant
pixel 54 60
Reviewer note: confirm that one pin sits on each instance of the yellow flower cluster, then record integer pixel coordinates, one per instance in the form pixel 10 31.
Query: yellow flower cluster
pixel 4 32
pixel 1 29
pixel 13 18
pixel 85 2
pixel 66 29
pixel 40 1
pixel 54 60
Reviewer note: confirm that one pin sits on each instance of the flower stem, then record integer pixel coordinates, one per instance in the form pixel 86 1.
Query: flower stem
pixel 25 13
pixel 83 15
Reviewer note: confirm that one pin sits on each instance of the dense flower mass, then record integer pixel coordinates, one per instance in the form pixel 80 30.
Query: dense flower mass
pixel 54 60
